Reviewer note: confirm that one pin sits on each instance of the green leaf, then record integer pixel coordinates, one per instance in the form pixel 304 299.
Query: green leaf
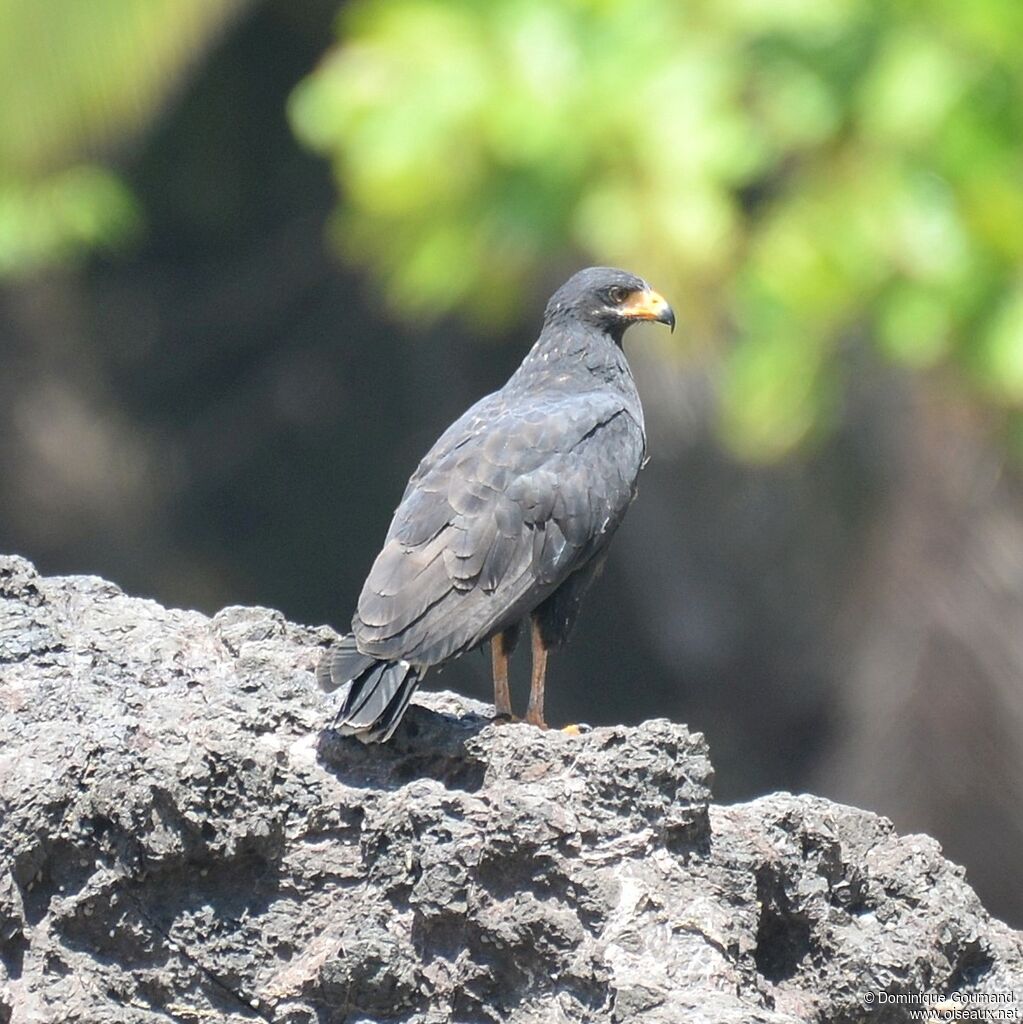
pixel 799 173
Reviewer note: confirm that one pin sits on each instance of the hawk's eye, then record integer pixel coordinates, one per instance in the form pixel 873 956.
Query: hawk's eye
pixel 617 295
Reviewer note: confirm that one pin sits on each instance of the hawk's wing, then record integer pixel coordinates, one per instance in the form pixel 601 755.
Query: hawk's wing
pixel 510 501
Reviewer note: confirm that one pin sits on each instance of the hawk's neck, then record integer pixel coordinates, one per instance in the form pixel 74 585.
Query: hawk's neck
pixel 584 356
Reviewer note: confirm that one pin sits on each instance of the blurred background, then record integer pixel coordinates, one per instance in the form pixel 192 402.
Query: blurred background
pixel 254 257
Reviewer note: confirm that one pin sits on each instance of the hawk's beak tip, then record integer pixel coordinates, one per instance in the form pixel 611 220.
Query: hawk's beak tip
pixel 661 310
pixel 650 305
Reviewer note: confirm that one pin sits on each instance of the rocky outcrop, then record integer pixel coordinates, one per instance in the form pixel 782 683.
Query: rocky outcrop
pixel 183 839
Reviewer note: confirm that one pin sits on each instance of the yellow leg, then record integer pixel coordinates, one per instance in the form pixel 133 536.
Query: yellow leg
pixel 534 712
pixel 499 659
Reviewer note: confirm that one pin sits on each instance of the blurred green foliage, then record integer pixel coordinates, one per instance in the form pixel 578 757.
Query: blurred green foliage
pixel 793 173
pixel 78 77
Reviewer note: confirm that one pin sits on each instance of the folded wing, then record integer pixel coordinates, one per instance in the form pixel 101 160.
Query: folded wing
pixel 508 504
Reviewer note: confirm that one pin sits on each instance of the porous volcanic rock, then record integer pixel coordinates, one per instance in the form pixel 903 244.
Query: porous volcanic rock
pixel 183 838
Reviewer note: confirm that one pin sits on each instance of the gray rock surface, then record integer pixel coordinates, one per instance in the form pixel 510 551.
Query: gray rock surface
pixel 182 839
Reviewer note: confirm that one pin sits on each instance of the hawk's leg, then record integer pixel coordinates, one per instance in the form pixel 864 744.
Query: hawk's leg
pixel 501 646
pixel 534 712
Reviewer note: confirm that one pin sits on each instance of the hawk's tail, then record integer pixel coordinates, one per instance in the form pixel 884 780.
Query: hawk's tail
pixel 374 694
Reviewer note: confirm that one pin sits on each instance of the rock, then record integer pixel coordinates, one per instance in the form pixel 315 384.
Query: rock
pixel 182 838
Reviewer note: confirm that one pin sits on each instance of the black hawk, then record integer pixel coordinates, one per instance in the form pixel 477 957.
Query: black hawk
pixel 508 516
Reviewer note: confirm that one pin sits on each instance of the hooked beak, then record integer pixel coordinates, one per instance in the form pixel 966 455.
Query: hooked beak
pixel 648 305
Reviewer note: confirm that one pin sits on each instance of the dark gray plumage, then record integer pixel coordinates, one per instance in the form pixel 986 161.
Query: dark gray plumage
pixel 509 514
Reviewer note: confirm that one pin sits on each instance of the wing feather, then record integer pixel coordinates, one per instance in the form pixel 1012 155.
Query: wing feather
pixel 500 512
